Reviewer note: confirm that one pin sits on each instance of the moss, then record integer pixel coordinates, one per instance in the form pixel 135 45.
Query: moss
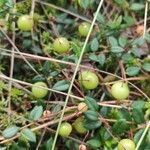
pixel 146 87
pixel 24 7
pixel 2 2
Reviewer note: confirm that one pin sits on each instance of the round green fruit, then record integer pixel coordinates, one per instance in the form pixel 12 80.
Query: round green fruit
pixel 88 79
pixel 126 144
pixel 39 92
pixel 65 129
pixel 84 29
pixel 61 45
pixel 79 125
pixel 25 23
pixel 120 90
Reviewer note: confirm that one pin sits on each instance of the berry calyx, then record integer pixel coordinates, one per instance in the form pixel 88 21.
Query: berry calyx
pixel 46 114
pixel 82 147
pixel 82 107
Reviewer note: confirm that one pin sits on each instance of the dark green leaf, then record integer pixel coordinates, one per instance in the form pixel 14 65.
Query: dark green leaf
pixel 105 111
pixel 138 135
pixel 91 115
pixel 139 41
pixel 91 103
pixel 115 24
pixel 132 71
pixel 49 144
pixel 101 59
pixel 137 111
pixel 94 44
pixel 127 58
pixel 100 18
pixel 85 3
pixel 136 52
pixel 117 49
pixel 147 37
pixel 36 113
pixel 126 115
pixel 146 67
pixel 121 2
pixel 28 134
pixel 27 43
pixel 92 124
pixel 140 104
pixel 10 131
pixel 93 57
pixel 120 126
pixel 38 78
pixel 104 134
pixel 122 41
pixel 137 6
pixel 113 41
pixel 36 50
pixel 76 49
pixel 62 85
pixel 138 115
pixel 129 20
pixel 94 143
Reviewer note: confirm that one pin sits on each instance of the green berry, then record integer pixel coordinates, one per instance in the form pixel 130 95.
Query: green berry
pixel 126 144
pixel 25 23
pixel 39 92
pixel 65 129
pixel 120 90
pixel 88 79
pixel 84 29
pixel 61 45
pixel 79 125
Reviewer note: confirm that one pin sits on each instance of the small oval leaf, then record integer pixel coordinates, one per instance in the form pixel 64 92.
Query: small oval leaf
pixel 146 67
pixel 36 113
pixel 94 44
pixel 10 131
pixel 28 134
pixel 132 71
pixel 61 85
pixel 91 115
pixel 117 49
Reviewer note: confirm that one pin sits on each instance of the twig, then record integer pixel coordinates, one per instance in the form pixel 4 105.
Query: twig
pixel 64 10
pixel 143 135
pixel 145 19
pixel 39 143
pixel 11 71
pixel 42 126
pixel 82 66
pixel 14 46
pixel 148 124
pixel 29 84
